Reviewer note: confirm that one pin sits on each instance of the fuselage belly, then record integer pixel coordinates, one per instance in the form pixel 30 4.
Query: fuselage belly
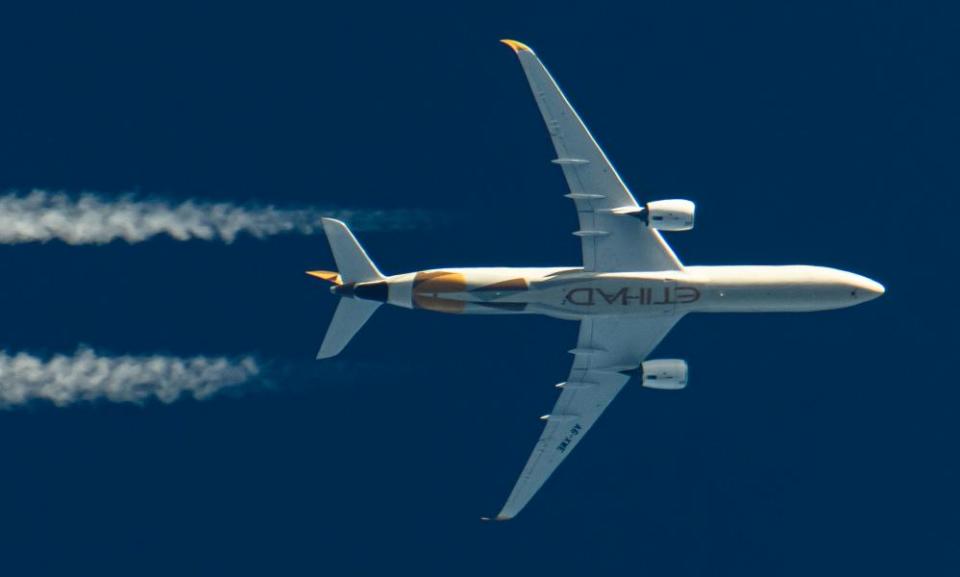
pixel 574 293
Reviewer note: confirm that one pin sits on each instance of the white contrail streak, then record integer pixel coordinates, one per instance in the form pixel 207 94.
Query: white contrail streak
pixel 88 376
pixel 90 218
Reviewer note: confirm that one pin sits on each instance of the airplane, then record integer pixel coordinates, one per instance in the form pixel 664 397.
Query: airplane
pixel 629 292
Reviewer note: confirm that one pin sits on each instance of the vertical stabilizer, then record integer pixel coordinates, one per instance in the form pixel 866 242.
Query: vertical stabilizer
pixel 352 261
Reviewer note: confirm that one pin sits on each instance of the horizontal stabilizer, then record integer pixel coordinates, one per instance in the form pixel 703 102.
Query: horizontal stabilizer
pixel 349 318
pixel 327 275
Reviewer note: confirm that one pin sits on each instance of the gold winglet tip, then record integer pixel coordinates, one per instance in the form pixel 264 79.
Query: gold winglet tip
pixel 518 47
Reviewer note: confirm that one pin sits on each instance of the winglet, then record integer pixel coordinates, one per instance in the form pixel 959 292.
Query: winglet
pixel 518 47
pixel 500 517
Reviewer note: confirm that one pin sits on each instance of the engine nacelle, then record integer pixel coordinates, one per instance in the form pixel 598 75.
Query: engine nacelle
pixel 675 214
pixel 664 374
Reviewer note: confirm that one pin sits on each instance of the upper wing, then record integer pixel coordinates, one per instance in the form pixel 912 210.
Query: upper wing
pixel 607 348
pixel 611 241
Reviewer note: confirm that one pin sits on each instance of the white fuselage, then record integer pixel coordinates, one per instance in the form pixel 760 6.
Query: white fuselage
pixel 573 293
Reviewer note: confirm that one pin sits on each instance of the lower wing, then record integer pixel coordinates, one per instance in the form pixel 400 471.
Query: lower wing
pixel 608 349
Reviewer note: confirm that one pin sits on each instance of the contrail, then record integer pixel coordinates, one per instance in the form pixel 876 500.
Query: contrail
pixel 88 376
pixel 90 218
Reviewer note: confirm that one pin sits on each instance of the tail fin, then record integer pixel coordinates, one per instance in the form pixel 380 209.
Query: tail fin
pixel 352 260
pixel 350 317
pixel 355 267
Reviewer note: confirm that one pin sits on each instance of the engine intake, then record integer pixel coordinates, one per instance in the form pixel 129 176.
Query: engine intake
pixel 664 374
pixel 675 214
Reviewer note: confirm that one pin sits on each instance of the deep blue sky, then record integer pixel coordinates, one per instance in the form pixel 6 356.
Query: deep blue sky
pixel 811 444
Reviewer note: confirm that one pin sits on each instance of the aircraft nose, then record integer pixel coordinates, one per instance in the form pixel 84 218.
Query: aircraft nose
pixel 876 288
pixel 867 289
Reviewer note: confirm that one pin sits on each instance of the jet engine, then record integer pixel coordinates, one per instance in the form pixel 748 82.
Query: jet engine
pixel 676 214
pixel 664 374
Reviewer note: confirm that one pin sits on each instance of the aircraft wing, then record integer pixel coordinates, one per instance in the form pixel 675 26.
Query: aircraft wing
pixel 608 348
pixel 612 241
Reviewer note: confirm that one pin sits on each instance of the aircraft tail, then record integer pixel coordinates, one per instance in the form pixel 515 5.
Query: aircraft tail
pixel 352 260
pixel 354 267
pixel 347 321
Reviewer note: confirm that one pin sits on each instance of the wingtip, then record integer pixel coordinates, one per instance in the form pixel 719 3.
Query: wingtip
pixel 323 354
pixel 517 47
pixel 500 517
